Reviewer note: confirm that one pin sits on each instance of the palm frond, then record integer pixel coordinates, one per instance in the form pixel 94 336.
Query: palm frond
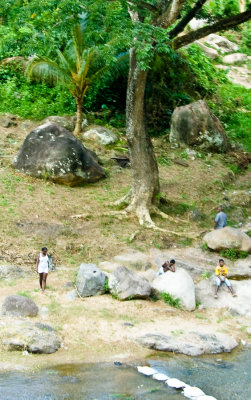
pixel 42 68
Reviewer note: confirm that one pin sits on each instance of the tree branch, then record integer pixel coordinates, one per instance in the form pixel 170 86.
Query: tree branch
pixel 225 23
pixel 148 6
pixel 170 14
pixel 186 19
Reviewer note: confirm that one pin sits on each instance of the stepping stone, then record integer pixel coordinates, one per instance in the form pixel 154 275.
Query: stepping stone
pixel 160 377
pixel 147 371
pixel 175 383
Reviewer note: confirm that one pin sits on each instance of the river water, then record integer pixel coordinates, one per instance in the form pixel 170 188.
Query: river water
pixel 227 378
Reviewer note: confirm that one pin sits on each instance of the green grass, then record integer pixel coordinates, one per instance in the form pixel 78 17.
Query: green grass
pixel 25 293
pixel 233 254
pixel 206 275
pixel 171 301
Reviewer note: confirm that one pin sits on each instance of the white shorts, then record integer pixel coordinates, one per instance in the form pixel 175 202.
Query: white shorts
pixel 41 269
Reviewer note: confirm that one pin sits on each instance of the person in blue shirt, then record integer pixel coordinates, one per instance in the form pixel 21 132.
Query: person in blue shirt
pixel 220 219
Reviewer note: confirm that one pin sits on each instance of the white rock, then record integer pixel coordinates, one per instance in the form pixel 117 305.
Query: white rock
pixel 235 58
pixel 147 371
pixel 160 377
pixel 178 284
pixel 175 383
pixel 192 392
pixel 209 52
pixel 197 23
pixel 221 43
pixel 227 238
pixel 101 135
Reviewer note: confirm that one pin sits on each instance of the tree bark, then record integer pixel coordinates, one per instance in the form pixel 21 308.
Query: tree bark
pixel 78 125
pixel 225 23
pixel 145 175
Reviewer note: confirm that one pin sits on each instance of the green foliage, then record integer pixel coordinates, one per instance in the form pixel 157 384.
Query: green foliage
pixel 30 99
pixel 232 105
pixel 223 8
pixel 25 293
pixel 206 275
pixel 171 301
pixel 106 285
pixel 204 246
pixel 233 254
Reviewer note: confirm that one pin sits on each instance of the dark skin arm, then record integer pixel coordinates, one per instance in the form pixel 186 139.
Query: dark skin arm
pixel 37 263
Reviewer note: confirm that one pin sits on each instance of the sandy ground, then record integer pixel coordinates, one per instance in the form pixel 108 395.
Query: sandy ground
pixel 94 329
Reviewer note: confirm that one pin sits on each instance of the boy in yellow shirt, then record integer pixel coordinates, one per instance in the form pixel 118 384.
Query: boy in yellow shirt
pixel 221 277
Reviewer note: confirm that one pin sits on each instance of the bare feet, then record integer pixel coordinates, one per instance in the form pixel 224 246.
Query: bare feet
pixel 234 295
pixel 215 296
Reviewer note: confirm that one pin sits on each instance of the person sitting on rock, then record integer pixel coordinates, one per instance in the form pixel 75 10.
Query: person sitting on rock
pixel 167 266
pixel 220 219
pixel 221 277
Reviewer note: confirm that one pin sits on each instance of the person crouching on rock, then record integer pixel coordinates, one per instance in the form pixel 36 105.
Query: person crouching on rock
pixel 167 266
pixel 221 277
pixel 42 267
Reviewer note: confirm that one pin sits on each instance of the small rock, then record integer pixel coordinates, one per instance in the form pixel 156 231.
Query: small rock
pixel 147 371
pixel 192 391
pixel 235 58
pixel 7 122
pixel 101 135
pixel 160 377
pixel 19 306
pixel 209 52
pixel 128 324
pixel 175 383
pixel 44 312
pixel 221 43
pixel 72 295
pixel 61 121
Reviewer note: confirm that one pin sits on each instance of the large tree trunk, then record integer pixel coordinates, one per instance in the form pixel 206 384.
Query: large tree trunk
pixel 78 126
pixel 145 175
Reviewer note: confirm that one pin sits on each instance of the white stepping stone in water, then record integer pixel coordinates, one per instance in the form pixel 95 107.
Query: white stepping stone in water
pixel 205 398
pixel 147 371
pixel 160 377
pixel 193 392
pixel 175 383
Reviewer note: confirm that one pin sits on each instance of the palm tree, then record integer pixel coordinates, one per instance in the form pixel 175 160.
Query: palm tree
pixel 75 68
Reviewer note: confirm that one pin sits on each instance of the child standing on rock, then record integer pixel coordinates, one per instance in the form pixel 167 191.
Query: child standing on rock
pixel 221 277
pixel 42 266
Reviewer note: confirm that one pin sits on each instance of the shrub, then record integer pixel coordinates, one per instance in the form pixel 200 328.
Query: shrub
pixel 233 254
pixel 171 301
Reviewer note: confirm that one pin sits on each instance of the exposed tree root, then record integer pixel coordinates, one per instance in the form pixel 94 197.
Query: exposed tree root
pixel 156 210
pixel 145 220
pixel 124 200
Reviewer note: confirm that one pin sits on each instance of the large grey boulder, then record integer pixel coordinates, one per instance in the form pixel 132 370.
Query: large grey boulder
pixel 209 52
pixel 235 58
pixel 90 280
pixel 101 135
pixel 228 238
pixel 221 43
pixel 179 285
pixel 133 259
pixel 190 343
pixel 240 305
pixel 125 284
pixel 195 124
pixel 19 306
pixel 11 272
pixel 52 152
pixel 61 121
pixel 33 337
